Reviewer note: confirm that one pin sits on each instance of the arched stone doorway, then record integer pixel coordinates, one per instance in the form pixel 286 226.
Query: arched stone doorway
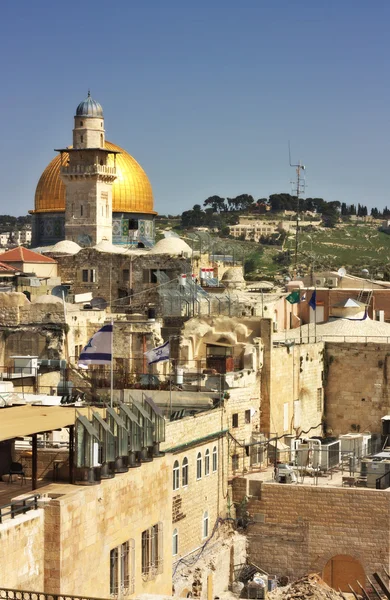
pixel 342 570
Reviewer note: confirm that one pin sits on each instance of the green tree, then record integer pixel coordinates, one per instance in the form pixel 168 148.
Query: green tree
pixel 216 203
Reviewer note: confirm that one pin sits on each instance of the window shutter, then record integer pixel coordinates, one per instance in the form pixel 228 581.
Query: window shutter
pixel 160 548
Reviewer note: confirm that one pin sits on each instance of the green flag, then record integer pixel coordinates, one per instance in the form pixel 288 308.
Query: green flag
pixel 294 297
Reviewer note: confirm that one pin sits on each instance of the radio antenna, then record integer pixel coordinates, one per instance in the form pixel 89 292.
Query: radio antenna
pixel 299 189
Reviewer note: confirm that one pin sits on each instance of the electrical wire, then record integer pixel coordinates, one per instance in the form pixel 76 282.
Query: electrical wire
pixel 189 562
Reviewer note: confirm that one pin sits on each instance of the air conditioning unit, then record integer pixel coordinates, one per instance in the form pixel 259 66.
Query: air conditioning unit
pixel 331 281
pixel 320 281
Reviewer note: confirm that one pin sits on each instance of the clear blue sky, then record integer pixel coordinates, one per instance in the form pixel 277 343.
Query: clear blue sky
pixel 205 95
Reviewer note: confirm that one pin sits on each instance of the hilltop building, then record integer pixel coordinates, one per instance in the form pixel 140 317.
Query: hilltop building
pixel 93 190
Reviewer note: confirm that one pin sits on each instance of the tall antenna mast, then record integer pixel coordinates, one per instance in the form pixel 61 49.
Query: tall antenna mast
pixel 299 189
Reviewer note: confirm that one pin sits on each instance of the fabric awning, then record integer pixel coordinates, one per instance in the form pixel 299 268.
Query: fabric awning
pixel 23 421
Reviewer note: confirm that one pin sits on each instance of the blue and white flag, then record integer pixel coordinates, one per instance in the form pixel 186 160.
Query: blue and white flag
pixel 98 351
pixel 313 300
pixel 158 354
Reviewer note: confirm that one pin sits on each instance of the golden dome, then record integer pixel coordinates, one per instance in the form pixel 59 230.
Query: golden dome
pixel 131 190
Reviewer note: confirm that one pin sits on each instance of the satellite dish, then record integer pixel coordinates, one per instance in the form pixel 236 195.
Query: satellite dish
pixel 60 291
pixel 342 272
pixel 99 303
pixel 365 272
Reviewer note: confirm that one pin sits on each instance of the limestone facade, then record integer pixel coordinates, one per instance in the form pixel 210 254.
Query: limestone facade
pixel 357 387
pixel 199 478
pixel 291 386
pixel 66 546
pixel 22 551
pixel 88 180
pixel 297 529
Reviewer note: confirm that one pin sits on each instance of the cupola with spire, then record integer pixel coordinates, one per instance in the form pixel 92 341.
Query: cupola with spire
pixel 88 129
pixel 89 108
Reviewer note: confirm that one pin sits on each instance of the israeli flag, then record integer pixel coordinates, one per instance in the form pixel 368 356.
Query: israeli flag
pixel 158 354
pixel 98 351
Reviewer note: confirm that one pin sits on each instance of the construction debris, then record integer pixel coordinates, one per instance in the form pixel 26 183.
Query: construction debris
pixel 309 586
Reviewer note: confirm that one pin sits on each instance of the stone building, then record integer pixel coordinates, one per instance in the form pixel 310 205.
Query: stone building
pixel 93 190
pixel 27 261
pixel 122 278
pixel 340 533
pixel 200 503
pixel 57 547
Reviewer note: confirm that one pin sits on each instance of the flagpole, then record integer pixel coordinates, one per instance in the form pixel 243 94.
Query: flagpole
pixel 112 364
pixel 315 316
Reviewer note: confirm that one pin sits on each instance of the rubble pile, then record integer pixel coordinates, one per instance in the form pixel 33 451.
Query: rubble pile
pixel 309 586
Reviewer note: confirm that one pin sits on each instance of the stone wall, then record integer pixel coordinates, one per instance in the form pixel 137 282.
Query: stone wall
pixel 22 552
pixel 199 435
pixel 117 275
pixel 292 387
pixel 357 392
pixel 296 529
pixel 87 523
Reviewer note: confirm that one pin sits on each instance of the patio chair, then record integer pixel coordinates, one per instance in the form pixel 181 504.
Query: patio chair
pixel 18 470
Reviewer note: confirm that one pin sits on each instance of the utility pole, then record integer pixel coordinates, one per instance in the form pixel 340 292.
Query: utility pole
pixel 299 188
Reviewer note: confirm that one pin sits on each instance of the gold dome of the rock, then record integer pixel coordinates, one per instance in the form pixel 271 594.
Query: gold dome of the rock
pixel 131 191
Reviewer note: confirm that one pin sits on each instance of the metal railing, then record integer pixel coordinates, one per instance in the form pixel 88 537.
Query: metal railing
pixel 383 482
pixel 8 594
pixel 19 507
pixel 292 337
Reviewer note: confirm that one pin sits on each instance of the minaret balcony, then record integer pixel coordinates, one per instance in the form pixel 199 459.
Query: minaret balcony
pixel 88 170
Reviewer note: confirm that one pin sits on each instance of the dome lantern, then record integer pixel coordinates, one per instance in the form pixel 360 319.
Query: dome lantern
pixel 89 108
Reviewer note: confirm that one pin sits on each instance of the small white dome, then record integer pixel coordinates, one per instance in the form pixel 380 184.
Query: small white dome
pixel 174 246
pixel 65 247
pixel 106 246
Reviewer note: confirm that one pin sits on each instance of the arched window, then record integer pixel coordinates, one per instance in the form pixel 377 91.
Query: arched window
pixel 81 123
pixel 101 140
pixel 175 542
pixel 215 459
pixel 205 524
pixel 207 462
pixel 184 472
pixel 81 138
pixel 81 210
pixel 199 466
pixel 176 475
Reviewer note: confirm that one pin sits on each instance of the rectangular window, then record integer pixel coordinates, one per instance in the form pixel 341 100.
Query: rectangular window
pixel 319 400
pixel 114 568
pixel 257 454
pixel 81 210
pixel 247 416
pixel 88 275
pixel 235 420
pixel 235 462
pixel 152 552
pixel 285 416
pixel 122 578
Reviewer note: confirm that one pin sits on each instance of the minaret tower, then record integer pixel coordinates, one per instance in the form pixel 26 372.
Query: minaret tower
pixel 88 178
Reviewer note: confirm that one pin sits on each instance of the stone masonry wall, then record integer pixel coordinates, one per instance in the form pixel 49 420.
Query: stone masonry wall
pixel 188 438
pixel 84 525
pixel 118 274
pixel 22 552
pixel 296 530
pixel 357 392
pixel 291 374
